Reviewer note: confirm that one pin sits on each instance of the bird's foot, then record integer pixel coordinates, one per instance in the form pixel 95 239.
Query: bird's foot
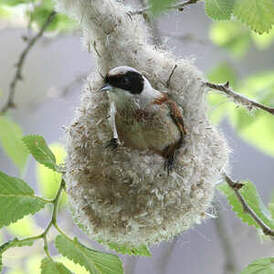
pixel 112 144
pixel 169 164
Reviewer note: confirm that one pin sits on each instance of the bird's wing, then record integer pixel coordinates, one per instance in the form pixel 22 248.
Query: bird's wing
pixel 176 116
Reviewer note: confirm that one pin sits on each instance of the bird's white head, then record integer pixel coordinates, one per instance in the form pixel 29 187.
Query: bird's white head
pixel 125 83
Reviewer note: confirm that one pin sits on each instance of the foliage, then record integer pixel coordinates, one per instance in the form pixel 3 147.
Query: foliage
pixel 93 260
pixel 252 199
pixel 48 266
pixel 24 227
pixel 258 15
pixel 10 139
pixel 39 14
pixel 48 179
pixel 17 200
pixel 238 39
pixel 219 9
pixel 262 266
pixel 135 251
pixel 40 151
pixel 158 6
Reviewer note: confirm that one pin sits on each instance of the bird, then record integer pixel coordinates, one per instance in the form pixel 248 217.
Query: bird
pixel 142 117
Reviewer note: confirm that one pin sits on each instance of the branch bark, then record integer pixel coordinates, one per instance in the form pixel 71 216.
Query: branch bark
pixel 238 98
pixel 19 66
pixel 236 186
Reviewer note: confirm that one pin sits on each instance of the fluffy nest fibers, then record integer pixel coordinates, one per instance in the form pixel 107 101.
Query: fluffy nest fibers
pixel 125 196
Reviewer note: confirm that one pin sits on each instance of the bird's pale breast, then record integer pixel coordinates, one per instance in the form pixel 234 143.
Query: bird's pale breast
pixel 143 129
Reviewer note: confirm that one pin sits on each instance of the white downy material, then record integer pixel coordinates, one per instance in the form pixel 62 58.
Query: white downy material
pixel 126 197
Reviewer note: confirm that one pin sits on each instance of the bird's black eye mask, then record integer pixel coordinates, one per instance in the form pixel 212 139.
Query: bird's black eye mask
pixel 131 81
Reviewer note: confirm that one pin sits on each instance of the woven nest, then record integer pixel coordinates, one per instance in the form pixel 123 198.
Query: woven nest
pixel 125 196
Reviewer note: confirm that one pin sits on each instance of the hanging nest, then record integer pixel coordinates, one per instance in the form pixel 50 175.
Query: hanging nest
pixel 125 196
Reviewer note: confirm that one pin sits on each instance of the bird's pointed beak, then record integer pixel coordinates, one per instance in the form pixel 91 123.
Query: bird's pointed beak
pixel 106 87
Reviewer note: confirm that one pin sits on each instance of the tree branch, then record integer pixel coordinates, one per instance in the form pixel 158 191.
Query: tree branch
pixel 19 66
pixel 236 186
pixel 179 6
pixel 238 98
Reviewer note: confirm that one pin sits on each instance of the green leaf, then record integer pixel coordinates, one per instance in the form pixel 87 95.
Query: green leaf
pixel 17 270
pixel 94 261
pixel 222 73
pixel 16 200
pixel 141 250
pixel 10 138
pixel 257 14
pixel 257 130
pixel 252 199
pixel 263 41
pixel 271 206
pixel 49 180
pixel 48 266
pixel 260 266
pixel 25 227
pixel 271 209
pixel 219 9
pixel 14 2
pixel 4 13
pixel 12 243
pixel 75 268
pixel 39 149
pixel 60 22
pixel 232 36
pixel 158 6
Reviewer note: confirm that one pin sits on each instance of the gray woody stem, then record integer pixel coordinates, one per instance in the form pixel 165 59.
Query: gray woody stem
pixel 19 66
pixel 241 99
pixel 235 186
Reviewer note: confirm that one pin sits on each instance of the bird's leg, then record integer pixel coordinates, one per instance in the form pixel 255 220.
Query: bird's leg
pixel 170 154
pixel 169 163
pixel 169 159
pixel 114 141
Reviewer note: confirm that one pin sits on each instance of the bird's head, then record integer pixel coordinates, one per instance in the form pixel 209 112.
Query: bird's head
pixel 126 82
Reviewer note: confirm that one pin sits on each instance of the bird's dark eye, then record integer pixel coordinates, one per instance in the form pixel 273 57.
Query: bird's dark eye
pixel 125 81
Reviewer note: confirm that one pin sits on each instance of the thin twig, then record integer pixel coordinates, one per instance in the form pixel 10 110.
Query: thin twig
pixel 241 99
pixel 230 265
pixel 188 37
pixel 179 6
pixel 236 186
pixel 19 66
pixel 170 76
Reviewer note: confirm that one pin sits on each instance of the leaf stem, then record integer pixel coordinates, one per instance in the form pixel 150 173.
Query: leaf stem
pixel 46 247
pixel 236 186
